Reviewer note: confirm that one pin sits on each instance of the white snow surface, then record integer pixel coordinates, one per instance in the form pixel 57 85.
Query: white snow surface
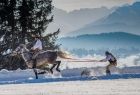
pixel 27 76
pixel 96 87
pixel 125 79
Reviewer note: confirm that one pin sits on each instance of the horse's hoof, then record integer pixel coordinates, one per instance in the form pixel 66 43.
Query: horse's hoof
pixel 58 70
pixel 51 71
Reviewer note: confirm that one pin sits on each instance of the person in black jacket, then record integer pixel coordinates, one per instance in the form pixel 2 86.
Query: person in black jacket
pixel 112 61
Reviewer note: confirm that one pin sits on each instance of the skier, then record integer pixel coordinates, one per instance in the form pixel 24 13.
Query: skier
pixel 112 61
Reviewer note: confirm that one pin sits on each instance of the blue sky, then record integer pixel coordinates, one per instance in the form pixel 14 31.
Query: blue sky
pixel 70 5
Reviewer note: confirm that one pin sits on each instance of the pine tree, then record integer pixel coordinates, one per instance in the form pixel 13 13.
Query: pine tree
pixel 50 41
pixel 34 17
pixel 7 24
pixel 20 19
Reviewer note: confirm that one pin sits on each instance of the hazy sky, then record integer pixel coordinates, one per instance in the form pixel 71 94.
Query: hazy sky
pixel 70 5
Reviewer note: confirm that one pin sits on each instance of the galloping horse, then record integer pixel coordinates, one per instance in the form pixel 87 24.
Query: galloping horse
pixel 42 59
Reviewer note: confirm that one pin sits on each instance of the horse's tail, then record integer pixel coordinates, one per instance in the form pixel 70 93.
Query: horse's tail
pixel 64 54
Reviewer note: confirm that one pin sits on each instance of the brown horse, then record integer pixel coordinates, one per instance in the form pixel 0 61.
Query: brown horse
pixel 43 58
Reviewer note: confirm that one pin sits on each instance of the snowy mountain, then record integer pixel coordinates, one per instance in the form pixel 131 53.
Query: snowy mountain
pixel 70 21
pixel 126 18
pixel 115 40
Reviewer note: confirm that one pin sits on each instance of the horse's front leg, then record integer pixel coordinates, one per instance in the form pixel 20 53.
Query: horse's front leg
pixel 36 74
pixel 43 72
pixel 34 67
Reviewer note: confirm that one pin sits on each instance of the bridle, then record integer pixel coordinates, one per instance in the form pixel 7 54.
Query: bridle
pixel 18 51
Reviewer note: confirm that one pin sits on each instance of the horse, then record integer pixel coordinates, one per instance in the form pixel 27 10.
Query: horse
pixel 42 59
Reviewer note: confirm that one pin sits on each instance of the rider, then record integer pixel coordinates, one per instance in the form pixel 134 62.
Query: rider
pixel 37 47
pixel 38 44
pixel 112 60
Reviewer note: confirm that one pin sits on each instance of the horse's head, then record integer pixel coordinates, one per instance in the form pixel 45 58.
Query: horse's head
pixel 20 49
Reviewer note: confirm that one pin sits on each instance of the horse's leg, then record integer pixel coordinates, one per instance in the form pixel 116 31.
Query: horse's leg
pixel 51 69
pixel 58 64
pixel 34 68
pixel 35 71
pixel 43 72
pixel 34 63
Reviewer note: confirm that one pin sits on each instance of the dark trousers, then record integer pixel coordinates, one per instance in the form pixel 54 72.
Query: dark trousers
pixel 111 64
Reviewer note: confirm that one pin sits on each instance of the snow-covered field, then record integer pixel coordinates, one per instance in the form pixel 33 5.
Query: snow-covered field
pixel 69 82
pixel 93 87
pixel 125 80
pixel 27 76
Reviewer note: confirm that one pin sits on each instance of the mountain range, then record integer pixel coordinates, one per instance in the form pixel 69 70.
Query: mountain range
pixel 125 18
pixel 71 21
pixel 114 40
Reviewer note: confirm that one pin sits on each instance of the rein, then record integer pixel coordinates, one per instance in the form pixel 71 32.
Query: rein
pixel 25 52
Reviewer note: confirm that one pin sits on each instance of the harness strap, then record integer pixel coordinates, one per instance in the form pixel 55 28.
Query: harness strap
pixel 28 60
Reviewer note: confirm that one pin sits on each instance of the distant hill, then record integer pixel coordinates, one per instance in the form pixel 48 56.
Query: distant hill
pixel 126 18
pixel 70 21
pixel 115 40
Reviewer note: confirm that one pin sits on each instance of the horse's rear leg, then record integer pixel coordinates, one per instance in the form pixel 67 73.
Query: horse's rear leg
pixel 51 69
pixel 35 71
pixel 58 64
pixel 57 68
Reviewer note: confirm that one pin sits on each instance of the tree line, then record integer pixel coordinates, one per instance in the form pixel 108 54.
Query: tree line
pixel 19 20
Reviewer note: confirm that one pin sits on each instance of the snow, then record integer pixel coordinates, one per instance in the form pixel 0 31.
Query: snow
pixel 127 61
pixel 27 76
pixel 125 79
pixel 69 82
pixel 96 87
